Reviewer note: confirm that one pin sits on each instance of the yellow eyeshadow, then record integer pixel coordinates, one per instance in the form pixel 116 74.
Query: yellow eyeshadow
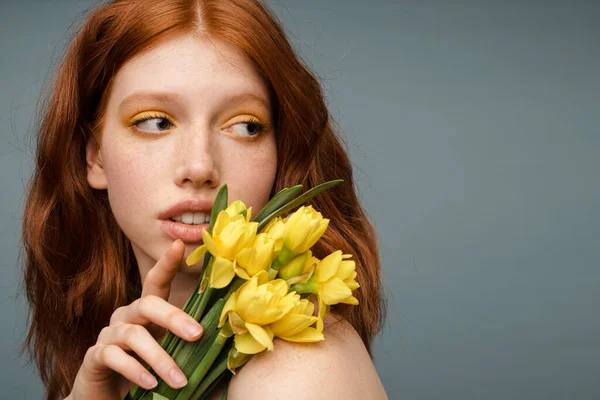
pixel 149 114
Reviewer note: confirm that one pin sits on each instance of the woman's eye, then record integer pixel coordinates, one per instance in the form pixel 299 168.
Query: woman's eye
pixel 249 128
pixel 147 124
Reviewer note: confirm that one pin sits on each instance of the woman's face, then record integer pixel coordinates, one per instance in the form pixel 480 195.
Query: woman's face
pixel 196 97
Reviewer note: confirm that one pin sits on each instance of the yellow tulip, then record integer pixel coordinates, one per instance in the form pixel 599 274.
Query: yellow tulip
pixel 256 304
pixel 252 260
pixel 295 326
pixel 302 230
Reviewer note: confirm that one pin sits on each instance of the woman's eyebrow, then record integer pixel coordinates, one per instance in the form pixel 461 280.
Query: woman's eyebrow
pixel 176 98
pixel 161 97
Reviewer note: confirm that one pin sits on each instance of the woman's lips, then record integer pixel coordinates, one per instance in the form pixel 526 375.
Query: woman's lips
pixel 187 233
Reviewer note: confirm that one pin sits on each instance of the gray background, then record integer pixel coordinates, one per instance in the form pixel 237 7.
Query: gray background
pixel 473 128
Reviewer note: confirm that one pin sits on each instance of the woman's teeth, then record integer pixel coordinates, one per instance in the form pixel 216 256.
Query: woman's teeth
pixel 195 218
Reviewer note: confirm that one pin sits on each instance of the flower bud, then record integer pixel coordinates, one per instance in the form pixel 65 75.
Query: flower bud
pixel 300 269
pixel 302 230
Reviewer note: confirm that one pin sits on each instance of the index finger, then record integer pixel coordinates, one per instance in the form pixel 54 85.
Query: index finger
pixel 158 280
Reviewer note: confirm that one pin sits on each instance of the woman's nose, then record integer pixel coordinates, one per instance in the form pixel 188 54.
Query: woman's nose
pixel 196 165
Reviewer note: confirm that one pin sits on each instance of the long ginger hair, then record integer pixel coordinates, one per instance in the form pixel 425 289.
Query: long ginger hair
pixel 78 264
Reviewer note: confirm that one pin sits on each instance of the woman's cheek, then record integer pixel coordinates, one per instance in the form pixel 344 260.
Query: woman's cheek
pixel 258 178
pixel 128 181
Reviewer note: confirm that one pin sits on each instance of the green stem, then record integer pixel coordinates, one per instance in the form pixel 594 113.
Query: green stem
pixel 212 377
pixel 171 342
pixel 284 257
pixel 199 311
pixel 203 367
pixel 193 352
pixel 304 288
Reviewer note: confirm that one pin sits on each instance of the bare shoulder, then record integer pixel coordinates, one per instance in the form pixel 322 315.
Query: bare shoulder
pixel 337 368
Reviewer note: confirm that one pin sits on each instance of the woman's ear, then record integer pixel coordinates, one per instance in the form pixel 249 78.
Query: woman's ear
pixel 96 176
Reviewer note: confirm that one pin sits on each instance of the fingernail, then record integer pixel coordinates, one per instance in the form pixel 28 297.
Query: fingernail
pixel 148 380
pixel 192 329
pixel 177 377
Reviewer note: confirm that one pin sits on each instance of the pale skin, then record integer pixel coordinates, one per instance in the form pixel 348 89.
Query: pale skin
pixel 204 144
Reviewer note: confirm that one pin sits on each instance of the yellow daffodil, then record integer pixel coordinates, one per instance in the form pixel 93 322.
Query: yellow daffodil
pixel 232 232
pixel 333 281
pixel 233 210
pixel 252 260
pixel 295 326
pixel 335 276
pixel 256 304
pixel 303 228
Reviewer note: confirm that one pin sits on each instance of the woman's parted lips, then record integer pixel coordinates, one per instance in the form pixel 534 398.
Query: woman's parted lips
pixel 189 205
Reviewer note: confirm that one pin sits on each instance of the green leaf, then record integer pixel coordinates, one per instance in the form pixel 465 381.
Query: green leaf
pixel 299 201
pixel 192 353
pixel 210 381
pixel 154 396
pixel 219 205
pixel 284 196
pixel 203 367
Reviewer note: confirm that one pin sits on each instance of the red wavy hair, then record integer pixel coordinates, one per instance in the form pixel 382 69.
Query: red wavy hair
pixel 78 265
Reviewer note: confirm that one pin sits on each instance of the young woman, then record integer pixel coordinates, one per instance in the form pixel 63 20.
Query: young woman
pixel 155 106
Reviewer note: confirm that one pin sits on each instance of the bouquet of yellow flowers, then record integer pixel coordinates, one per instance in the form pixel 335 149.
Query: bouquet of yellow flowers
pixel 259 281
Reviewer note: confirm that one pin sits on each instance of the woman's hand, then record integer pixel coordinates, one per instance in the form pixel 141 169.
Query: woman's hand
pixel 108 371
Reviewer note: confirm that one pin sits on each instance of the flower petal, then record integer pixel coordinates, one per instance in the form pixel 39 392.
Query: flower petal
pixel 196 255
pixel 245 343
pixel 235 208
pixel 350 300
pixel 262 277
pixel 229 305
pixel 241 272
pixel 352 284
pixel 222 273
pixel 246 291
pixel 306 336
pixel 317 231
pixel 345 269
pixel 210 244
pixel 222 219
pixel 262 334
pixel 328 266
pixel 280 286
pixel 334 291
pixel 292 324
pixel 271 315
pixel 323 311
